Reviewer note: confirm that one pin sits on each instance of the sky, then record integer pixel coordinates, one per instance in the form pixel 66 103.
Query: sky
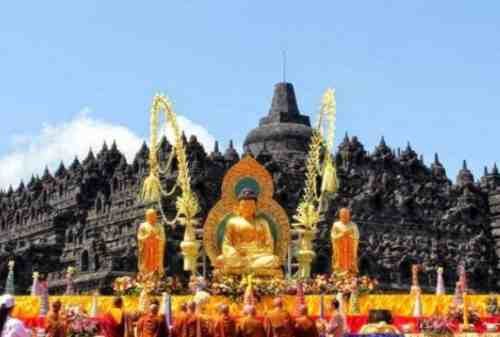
pixel 73 74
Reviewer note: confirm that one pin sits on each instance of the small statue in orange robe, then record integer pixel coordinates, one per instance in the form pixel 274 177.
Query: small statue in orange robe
pixel 249 325
pixel 304 326
pixel 117 323
pixel 224 326
pixel 151 241
pixel 152 324
pixel 278 322
pixel 345 241
pixel 55 323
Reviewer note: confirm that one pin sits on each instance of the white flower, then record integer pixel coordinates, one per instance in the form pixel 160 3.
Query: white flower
pixel 201 297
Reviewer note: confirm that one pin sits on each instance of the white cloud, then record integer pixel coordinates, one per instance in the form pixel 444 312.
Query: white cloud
pixel 55 142
pixel 191 128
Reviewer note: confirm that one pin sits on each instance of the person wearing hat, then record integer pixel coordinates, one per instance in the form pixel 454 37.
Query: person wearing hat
pixel 248 245
pixel 9 326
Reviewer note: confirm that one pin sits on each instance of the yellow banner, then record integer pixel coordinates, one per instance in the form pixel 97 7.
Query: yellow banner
pixel 399 305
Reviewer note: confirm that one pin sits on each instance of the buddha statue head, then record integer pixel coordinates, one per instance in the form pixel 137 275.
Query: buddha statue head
pixel 151 216
pixel 247 203
pixel 345 215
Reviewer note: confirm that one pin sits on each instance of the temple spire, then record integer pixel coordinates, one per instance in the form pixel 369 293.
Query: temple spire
pixel 436 158
pixel 408 147
pixel 284 125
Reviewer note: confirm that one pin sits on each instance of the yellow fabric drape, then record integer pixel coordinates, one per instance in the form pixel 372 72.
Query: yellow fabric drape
pixel 400 305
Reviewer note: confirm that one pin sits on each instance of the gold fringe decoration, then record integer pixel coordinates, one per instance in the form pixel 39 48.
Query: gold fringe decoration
pixel 187 205
pixel 329 109
pixel 307 215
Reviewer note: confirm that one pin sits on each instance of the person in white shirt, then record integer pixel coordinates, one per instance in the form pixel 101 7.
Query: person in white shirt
pixel 10 327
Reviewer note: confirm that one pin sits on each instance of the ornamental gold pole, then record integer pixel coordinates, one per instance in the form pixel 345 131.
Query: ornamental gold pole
pixel 329 182
pixel 187 203
pixel 310 206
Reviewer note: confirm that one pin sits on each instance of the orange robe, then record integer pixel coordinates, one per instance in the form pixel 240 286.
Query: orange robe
pixel 279 324
pixel 196 326
pixel 116 323
pixel 55 325
pixel 179 322
pixel 305 327
pixel 152 326
pixel 250 327
pixel 224 326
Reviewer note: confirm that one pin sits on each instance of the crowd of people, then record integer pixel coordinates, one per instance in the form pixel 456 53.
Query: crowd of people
pixel 188 322
pixel 191 322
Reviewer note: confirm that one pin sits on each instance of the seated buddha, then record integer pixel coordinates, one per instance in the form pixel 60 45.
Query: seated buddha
pixel 248 244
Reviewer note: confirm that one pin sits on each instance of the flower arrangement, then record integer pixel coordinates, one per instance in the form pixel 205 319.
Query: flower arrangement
pixel 334 283
pixel 234 287
pixel 492 307
pixel 435 326
pixel 127 285
pixel 456 314
pixel 79 324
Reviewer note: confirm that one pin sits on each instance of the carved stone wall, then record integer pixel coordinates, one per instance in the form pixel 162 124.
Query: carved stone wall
pixel 86 215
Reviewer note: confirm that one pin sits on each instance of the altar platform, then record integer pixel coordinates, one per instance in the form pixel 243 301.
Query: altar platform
pixel 27 308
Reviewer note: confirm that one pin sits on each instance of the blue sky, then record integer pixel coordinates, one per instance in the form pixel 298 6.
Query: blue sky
pixel 424 71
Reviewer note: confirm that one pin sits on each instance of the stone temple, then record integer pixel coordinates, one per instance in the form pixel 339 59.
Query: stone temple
pixel 86 214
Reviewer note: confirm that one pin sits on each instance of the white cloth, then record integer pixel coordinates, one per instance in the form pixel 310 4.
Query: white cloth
pixel 7 300
pixel 14 328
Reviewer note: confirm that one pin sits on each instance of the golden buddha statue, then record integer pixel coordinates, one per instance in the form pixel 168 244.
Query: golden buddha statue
pixel 151 241
pixel 248 244
pixel 247 231
pixel 345 240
